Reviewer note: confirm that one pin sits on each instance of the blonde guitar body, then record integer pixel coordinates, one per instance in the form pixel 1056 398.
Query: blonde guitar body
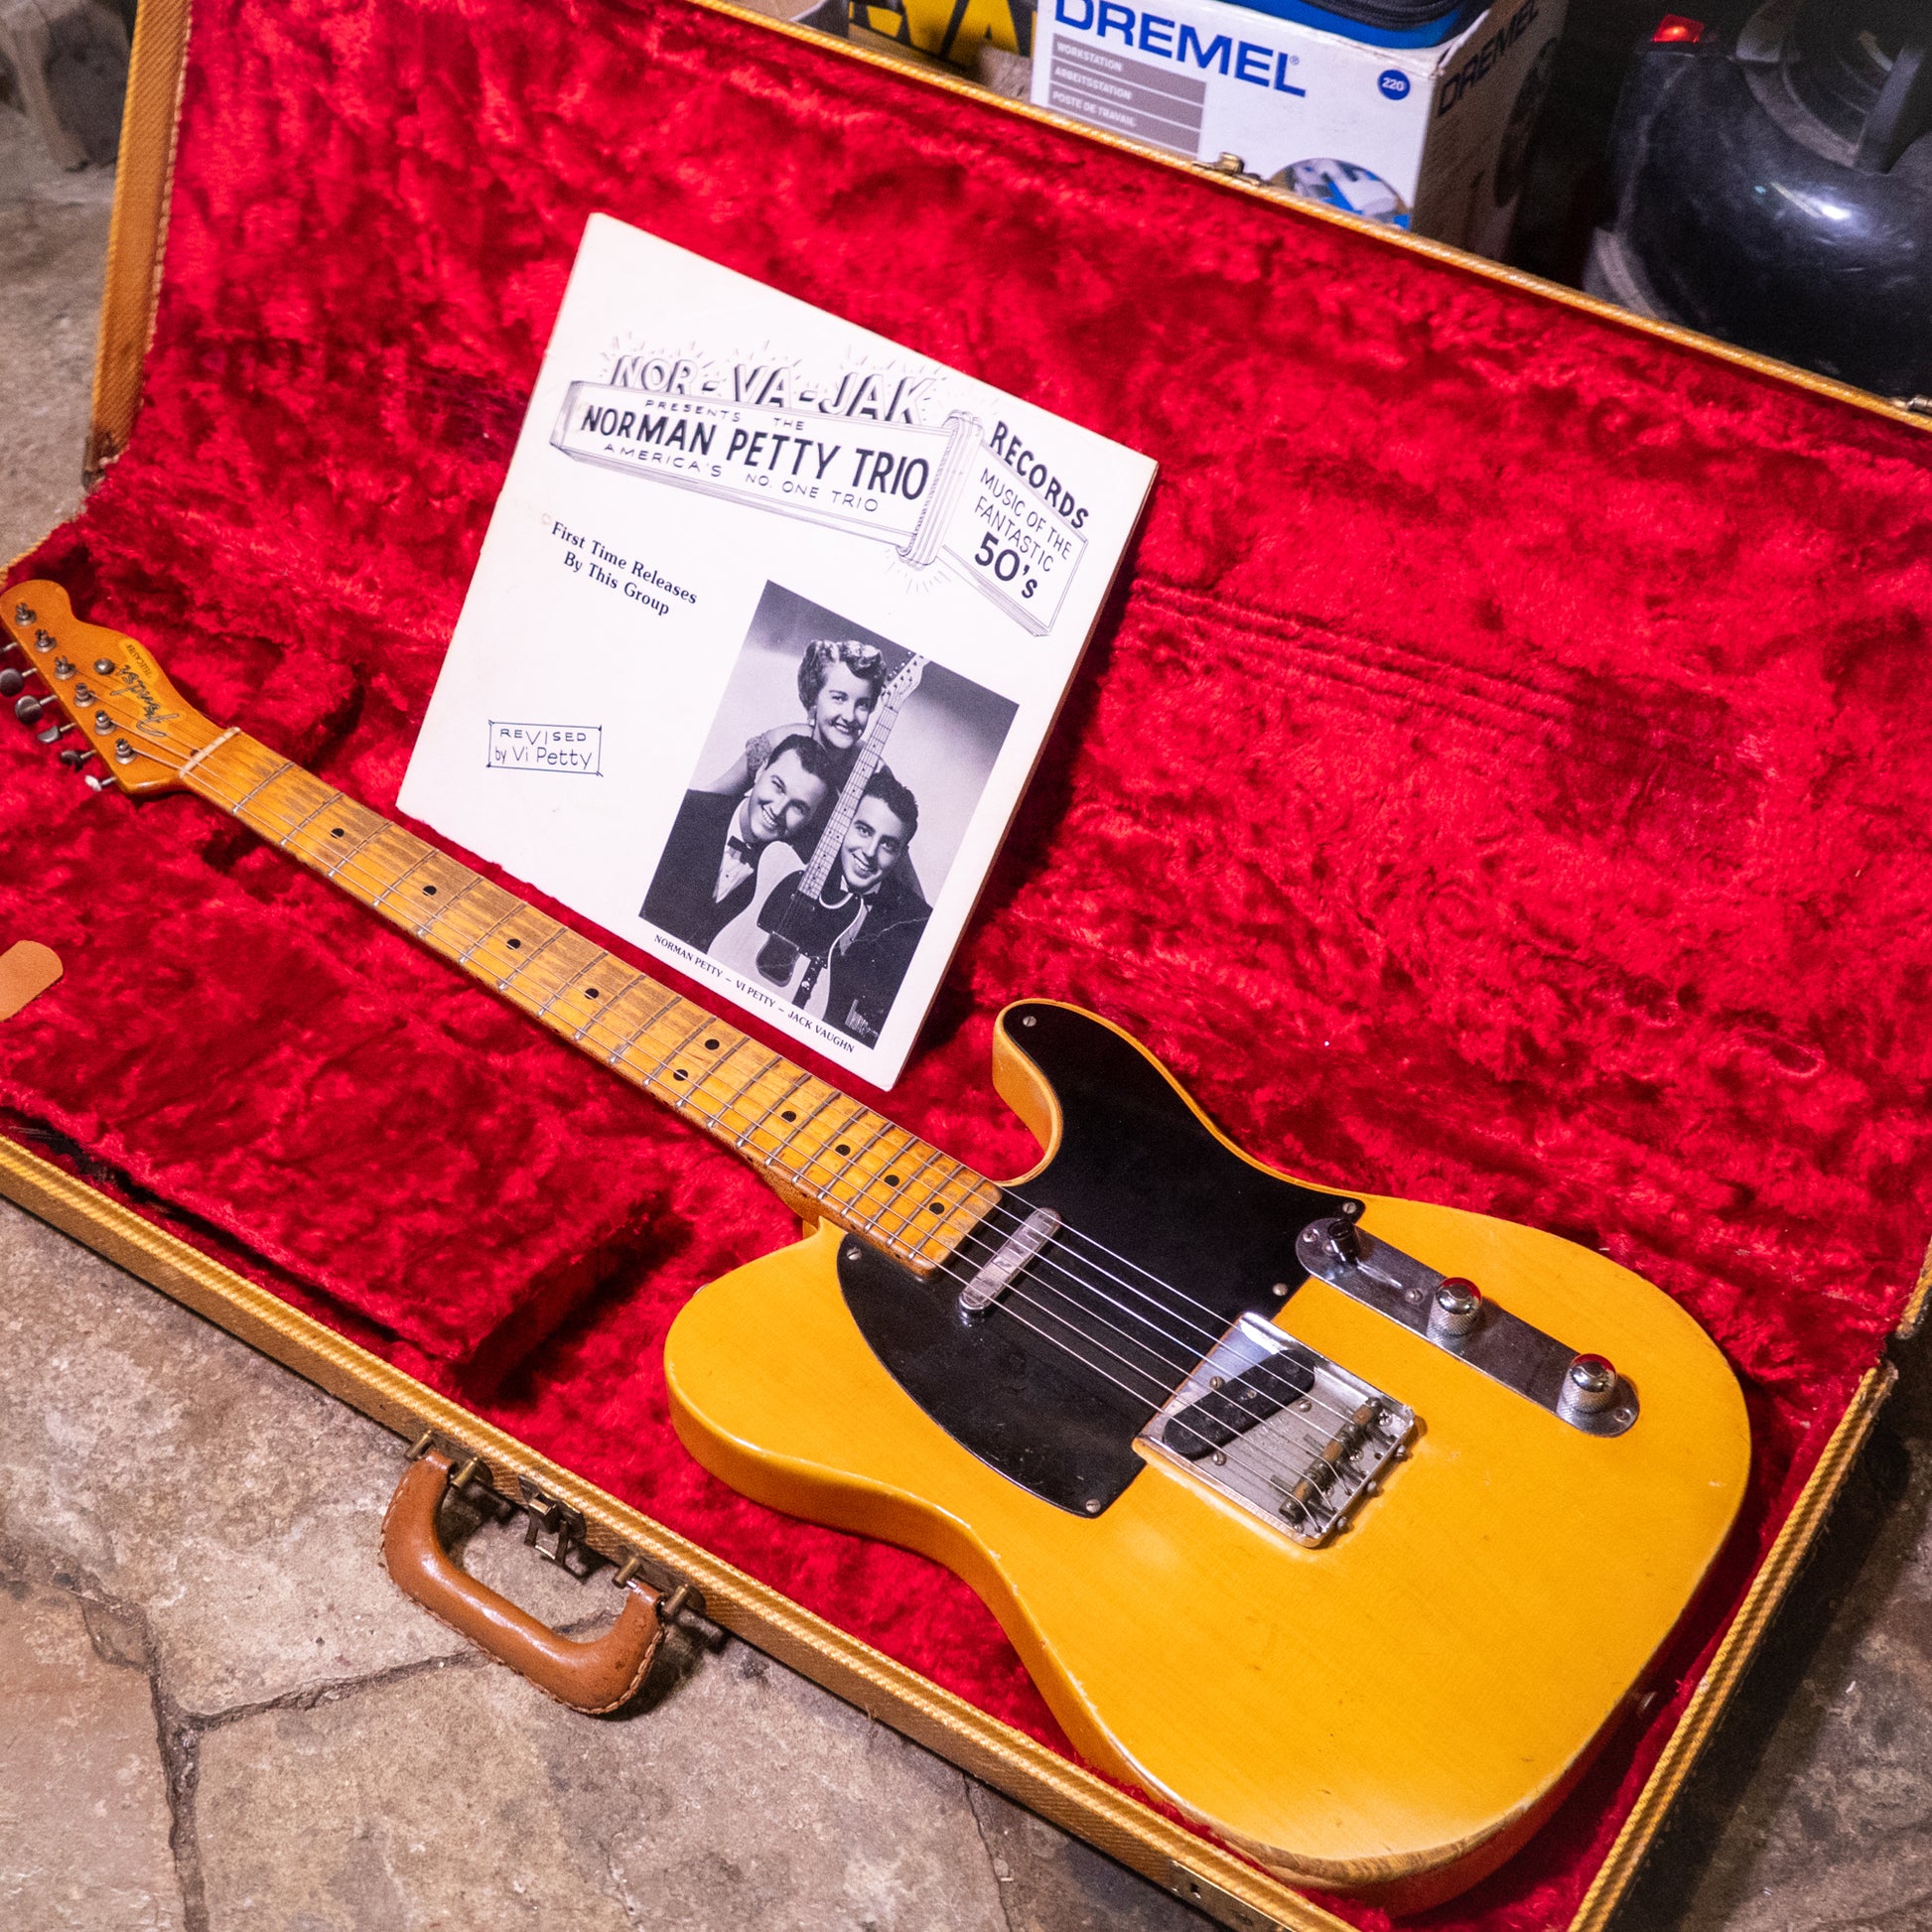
pixel 1293 1527
pixel 1391 1713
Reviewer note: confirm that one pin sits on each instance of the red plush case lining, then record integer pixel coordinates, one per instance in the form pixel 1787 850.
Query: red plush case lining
pixel 1503 777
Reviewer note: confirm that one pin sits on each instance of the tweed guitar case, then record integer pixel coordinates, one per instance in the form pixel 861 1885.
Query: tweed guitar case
pixel 1501 778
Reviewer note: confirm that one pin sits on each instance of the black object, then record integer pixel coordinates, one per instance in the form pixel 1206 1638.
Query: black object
pixel 1136 1169
pixel 1222 1414
pixel 1771 183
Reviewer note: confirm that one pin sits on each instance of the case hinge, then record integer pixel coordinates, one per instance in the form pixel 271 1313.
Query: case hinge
pixel 1218 1903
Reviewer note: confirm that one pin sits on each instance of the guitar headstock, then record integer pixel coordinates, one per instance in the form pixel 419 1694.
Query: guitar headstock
pixel 97 693
pixel 903 682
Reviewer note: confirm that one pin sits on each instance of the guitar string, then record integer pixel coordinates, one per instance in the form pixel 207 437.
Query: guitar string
pixel 1248 1401
pixel 1179 1368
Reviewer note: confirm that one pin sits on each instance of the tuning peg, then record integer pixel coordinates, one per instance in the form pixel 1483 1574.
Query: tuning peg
pixel 29 710
pixel 12 681
pixel 98 785
pixel 76 756
pixel 53 732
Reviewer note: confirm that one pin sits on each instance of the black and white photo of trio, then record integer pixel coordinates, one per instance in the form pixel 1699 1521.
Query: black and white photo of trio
pixel 825 811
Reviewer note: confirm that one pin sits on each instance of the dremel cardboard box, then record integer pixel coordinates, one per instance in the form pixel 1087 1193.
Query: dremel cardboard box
pixel 1428 138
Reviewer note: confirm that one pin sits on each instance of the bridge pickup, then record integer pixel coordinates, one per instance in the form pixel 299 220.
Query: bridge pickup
pixel 1281 1430
pixel 1012 1254
pixel 1231 1409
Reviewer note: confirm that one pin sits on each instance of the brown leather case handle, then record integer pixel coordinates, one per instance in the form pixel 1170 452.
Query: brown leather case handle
pixel 592 1677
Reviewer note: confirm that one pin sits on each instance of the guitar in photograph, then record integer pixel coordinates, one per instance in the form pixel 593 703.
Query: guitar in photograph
pixel 1347 1525
pixel 799 914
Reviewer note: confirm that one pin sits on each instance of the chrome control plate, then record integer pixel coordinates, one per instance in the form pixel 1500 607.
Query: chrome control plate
pixel 1501 1345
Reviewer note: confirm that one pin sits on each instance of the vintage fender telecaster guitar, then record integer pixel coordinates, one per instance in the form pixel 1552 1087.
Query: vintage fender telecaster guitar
pixel 786 935
pixel 1346 1524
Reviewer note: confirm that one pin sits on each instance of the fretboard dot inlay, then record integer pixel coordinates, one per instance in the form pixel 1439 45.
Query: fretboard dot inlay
pixel 589 993
pixel 516 945
pixel 787 1115
pixel 429 891
pixel 936 1206
pixel 336 833
pixel 711 1046
pixel 842 1148
pixel 679 1074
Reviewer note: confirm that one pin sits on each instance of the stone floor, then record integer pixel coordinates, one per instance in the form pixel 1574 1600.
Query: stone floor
pixel 215 1713
pixel 53 250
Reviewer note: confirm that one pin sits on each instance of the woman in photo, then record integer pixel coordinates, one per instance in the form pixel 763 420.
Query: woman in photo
pixel 838 681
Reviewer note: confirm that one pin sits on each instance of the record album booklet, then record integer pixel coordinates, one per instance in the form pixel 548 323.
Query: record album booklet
pixel 769 625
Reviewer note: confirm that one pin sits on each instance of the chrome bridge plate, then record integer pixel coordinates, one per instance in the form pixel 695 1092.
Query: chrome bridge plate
pixel 1282 1430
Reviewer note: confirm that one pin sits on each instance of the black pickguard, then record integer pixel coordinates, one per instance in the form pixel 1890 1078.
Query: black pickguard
pixel 1137 1172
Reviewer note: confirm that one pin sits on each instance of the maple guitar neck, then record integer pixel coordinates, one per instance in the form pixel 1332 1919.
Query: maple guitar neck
pixel 827 1154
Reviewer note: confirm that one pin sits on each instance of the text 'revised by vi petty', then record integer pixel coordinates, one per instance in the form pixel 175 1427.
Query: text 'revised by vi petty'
pixel 629 576
pixel 517 747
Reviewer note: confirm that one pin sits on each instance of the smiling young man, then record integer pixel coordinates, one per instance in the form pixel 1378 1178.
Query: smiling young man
pixel 868 962
pixel 710 865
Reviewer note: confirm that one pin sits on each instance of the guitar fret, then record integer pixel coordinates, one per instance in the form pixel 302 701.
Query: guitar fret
pixel 765 1120
pixel 377 861
pixel 685 1041
pixel 772 1159
pixel 883 1157
pixel 655 1014
pixel 886 1127
pixel 904 1188
pixel 584 973
pixel 355 851
pixel 726 1054
pixel 401 880
pixel 463 958
pixel 287 764
pixel 598 1015
pixel 328 799
pixel 738 1092
pixel 959 1170
pixel 523 966
pixel 449 906
pixel 856 1114
pixel 801 1171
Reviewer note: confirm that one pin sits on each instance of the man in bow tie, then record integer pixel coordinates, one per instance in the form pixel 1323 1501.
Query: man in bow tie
pixel 710 865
